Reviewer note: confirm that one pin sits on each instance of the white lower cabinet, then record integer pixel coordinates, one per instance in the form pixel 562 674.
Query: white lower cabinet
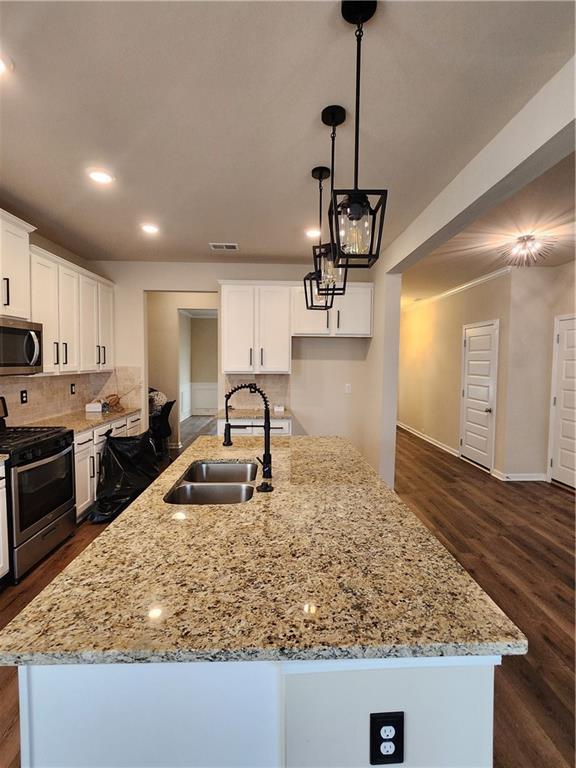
pixel 134 424
pixel 254 427
pixel 85 471
pixel 4 562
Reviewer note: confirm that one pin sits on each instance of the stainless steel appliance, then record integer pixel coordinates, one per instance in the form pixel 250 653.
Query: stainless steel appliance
pixel 20 347
pixel 41 490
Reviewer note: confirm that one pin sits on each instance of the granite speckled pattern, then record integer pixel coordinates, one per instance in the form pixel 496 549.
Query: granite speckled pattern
pixel 4 457
pixel 329 565
pixel 252 413
pixel 80 421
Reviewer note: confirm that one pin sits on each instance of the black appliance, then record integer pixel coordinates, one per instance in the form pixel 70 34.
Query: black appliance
pixel 40 490
pixel 20 347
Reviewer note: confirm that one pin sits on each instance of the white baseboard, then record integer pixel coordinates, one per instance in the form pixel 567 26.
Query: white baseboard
pixel 431 440
pixel 537 477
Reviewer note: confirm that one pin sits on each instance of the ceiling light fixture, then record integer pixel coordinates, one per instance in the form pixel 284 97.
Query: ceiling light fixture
pixel 150 229
pixel 331 280
pixel 357 215
pixel 100 176
pixel 6 64
pixel 528 250
pixel 314 300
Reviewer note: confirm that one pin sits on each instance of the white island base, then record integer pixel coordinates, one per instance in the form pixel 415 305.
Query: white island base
pixel 312 714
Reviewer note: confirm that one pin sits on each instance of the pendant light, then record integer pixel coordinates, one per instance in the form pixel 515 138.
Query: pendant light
pixel 331 279
pixel 357 215
pixel 315 300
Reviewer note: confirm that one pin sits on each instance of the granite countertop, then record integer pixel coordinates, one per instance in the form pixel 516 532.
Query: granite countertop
pixel 330 565
pixel 80 421
pixel 4 457
pixel 252 413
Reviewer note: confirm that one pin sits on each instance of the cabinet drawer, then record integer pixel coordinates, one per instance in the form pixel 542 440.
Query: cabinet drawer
pixel 100 433
pixel 83 440
pixel 134 420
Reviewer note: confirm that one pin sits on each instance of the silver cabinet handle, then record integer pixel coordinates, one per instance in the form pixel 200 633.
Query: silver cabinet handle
pixel 261 355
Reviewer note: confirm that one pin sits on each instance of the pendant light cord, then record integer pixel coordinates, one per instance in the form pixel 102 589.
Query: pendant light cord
pixel 320 213
pixel 359 34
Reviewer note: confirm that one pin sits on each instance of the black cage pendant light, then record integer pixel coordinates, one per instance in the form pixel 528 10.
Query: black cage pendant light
pixel 357 215
pixel 331 279
pixel 315 299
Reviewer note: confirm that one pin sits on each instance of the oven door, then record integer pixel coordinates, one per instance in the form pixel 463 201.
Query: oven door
pixel 41 492
pixel 20 347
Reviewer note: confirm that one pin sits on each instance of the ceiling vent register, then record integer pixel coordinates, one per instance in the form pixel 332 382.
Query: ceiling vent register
pixel 224 246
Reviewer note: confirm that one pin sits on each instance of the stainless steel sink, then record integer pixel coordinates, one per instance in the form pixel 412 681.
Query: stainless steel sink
pixel 209 493
pixel 221 472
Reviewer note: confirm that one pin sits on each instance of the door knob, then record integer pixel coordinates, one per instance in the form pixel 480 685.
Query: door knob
pixel 487 410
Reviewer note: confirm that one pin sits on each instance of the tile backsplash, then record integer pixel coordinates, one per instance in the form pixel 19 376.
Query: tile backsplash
pixel 51 396
pixel 276 386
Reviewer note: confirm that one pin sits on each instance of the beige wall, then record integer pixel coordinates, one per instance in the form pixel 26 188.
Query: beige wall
pixel 203 349
pixel 163 341
pixel 525 301
pixel 431 358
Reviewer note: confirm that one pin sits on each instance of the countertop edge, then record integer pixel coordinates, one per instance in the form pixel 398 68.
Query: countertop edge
pixel 436 650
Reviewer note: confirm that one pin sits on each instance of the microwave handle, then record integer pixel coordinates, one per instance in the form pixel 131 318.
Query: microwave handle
pixel 36 353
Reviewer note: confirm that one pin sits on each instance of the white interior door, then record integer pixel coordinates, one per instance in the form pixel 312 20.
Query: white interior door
pixel 564 404
pixel 479 375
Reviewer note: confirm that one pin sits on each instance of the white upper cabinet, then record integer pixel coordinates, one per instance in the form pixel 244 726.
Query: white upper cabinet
pixel 255 323
pixel 237 322
pixel 90 354
pixel 76 309
pixel 15 266
pixel 44 307
pixel 306 322
pixel 352 313
pixel 273 330
pixel 69 318
pixel 106 326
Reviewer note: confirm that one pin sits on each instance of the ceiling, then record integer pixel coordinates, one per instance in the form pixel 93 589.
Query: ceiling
pixel 208 113
pixel 545 207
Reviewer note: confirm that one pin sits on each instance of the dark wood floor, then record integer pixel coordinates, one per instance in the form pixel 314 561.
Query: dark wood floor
pixel 516 539
pixel 194 426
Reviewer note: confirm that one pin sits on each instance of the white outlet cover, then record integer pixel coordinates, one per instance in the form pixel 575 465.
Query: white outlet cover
pixel 348 389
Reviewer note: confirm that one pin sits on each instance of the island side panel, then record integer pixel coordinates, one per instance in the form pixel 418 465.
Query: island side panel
pixel 145 715
pixel 448 715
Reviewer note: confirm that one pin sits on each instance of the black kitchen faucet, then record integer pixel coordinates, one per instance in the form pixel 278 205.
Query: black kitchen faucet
pixel 266 459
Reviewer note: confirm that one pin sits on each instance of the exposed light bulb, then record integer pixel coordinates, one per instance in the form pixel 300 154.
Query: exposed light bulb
pixel 528 250
pixel 6 65
pixel 312 233
pixel 150 229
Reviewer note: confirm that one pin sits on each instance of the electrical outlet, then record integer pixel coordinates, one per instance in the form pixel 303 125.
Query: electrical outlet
pixel 386 738
pixel 23 396
pixel 72 389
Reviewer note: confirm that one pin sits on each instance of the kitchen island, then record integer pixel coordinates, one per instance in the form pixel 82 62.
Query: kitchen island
pixel 263 633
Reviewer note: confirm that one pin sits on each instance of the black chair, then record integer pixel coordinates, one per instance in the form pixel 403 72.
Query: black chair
pixel 160 428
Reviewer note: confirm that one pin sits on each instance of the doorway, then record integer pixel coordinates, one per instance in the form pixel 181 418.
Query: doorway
pixel 198 373
pixel 562 439
pixel 479 379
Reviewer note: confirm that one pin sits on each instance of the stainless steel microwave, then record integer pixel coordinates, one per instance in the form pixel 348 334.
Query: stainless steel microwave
pixel 20 347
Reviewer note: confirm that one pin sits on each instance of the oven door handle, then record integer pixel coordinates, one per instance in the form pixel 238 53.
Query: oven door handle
pixel 40 463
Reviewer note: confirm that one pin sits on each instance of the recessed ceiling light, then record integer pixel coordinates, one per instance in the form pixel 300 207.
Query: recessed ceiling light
pixel 150 229
pixel 312 233
pixel 100 176
pixel 6 64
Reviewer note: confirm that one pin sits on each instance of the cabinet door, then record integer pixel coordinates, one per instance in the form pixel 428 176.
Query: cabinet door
pixel 98 450
pixel 274 336
pixel 237 323
pixel 352 313
pixel 106 326
pixel 69 315
pixel 90 352
pixel 44 309
pixel 15 270
pixel 85 471
pixel 4 563
pixel 306 322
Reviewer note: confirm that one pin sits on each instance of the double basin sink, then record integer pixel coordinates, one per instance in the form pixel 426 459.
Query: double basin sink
pixel 214 482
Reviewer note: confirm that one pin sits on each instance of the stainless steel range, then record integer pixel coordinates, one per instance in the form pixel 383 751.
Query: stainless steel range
pixel 41 491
